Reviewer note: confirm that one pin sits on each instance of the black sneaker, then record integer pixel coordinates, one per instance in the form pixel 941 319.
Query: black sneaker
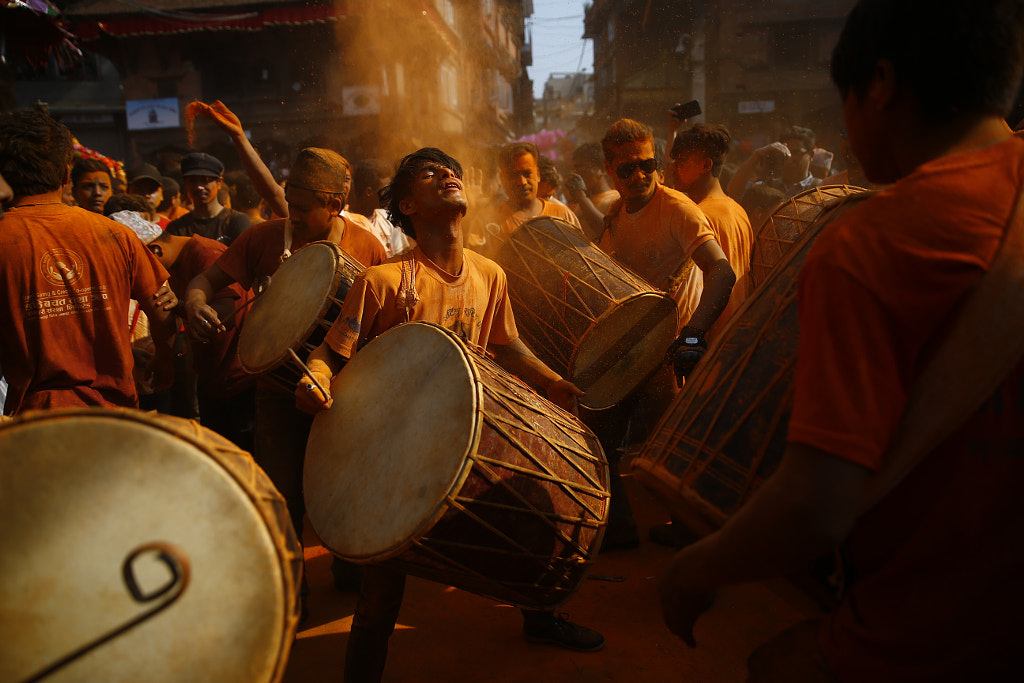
pixel 558 630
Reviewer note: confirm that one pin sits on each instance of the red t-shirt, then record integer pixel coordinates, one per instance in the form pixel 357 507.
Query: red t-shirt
pixel 218 371
pixel 938 563
pixel 256 253
pixel 67 276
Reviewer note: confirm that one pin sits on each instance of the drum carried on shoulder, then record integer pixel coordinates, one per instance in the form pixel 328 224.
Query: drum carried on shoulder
pixel 140 547
pixel 725 433
pixel 291 317
pixel 585 315
pixel 455 472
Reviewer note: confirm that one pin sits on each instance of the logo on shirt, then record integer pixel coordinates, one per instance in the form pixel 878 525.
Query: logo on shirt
pixel 62 266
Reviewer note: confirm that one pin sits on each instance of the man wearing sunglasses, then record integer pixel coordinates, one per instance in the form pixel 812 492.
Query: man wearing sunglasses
pixel 784 165
pixel 657 232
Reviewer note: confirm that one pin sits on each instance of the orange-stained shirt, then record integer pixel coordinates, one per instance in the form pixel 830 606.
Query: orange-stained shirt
pixel 256 253
pixel 656 241
pixel 216 363
pixel 938 594
pixel 732 230
pixel 67 276
pixel 504 215
pixel 474 304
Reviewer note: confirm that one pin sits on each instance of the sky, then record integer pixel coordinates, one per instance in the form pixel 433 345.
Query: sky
pixel 558 46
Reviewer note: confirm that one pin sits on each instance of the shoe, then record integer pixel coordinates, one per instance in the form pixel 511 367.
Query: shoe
pixel 558 630
pixel 671 535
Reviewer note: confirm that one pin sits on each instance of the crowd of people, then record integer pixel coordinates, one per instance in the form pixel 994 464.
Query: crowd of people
pixel 131 292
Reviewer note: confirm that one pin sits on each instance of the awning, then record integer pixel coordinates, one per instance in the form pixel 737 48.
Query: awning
pixel 123 27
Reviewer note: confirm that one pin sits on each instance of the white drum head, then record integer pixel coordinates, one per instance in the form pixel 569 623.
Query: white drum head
pixel 381 461
pixel 78 493
pixel 289 308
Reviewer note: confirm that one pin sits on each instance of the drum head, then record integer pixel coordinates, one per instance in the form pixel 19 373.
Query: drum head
pixel 79 492
pixel 381 461
pixel 289 308
pixel 623 348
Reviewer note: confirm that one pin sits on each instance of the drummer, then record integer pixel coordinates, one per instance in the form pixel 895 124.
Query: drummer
pixel 460 290
pixel 316 193
pixel 938 560
pixel 655 231
pixel 519 169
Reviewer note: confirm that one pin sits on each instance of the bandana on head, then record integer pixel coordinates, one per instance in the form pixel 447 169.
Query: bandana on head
pixel 146 231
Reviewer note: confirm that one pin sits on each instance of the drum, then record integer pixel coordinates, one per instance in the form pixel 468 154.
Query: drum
pixel 438 461
pixel 295 311
pixel 585 315
pixel 725 432
pixel 780 231
pixel 140 547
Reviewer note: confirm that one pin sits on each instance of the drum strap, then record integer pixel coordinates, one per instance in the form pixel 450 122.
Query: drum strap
pixel 954 383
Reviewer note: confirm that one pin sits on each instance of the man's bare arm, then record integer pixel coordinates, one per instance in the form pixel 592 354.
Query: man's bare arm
pixel 719 280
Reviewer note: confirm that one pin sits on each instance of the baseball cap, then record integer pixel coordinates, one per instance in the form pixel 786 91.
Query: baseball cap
pixel 144 172
pixel 146 231
pixel 200 163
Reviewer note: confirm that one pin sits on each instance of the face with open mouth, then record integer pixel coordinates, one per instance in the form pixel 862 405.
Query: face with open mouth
pixel 436 188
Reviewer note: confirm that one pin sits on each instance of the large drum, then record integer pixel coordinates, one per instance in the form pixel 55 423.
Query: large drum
pixel 791 219
pixel 725 433
pixel 138 547
pixel 437 460
pixel 295 311
pixel 584 314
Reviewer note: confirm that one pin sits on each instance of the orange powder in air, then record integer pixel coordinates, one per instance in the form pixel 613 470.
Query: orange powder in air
pixel 191 111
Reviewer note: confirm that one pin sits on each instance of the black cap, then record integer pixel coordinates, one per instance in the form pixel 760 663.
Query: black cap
pixel 200 163
pixel 144 172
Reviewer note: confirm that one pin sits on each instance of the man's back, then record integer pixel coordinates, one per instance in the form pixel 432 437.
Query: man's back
pixel 934 594
pixel 67 276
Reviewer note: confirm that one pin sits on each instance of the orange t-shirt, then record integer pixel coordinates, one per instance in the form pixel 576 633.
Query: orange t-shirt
pixel 474 305
pixel 734 234
pixel 506 218
pixel 216 363
pixel 938 562
pixel 656 241
pixel 256 253
pixel 67 276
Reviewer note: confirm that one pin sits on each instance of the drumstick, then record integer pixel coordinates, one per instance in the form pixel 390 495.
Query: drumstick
pixel 245 305
pixel 309 373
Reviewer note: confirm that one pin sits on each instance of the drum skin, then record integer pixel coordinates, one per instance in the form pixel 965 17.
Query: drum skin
pixel 80 489
pixel 725 432
pixel 296 311
pixel 790 219
pixel 435 459
pixel 584 314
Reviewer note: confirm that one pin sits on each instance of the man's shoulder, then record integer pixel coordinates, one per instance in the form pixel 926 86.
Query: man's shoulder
pixel 483 265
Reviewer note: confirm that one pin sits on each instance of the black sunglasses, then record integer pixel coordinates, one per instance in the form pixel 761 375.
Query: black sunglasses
pixel 624 171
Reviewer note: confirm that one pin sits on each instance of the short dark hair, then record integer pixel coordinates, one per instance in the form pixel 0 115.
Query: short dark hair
pixel 804 135
pixel 84 166
pixel 624 132
pixel 401 184
pixel 127 202
pixel 508 154
pixel 35 152
pixel 549 172
pixel 369 173
pixel 241 190
pixel 713 140
pixel 588 154
pixel 954 56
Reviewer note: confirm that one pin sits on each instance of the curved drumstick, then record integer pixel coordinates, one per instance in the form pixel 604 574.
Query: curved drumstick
pixel 177 563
